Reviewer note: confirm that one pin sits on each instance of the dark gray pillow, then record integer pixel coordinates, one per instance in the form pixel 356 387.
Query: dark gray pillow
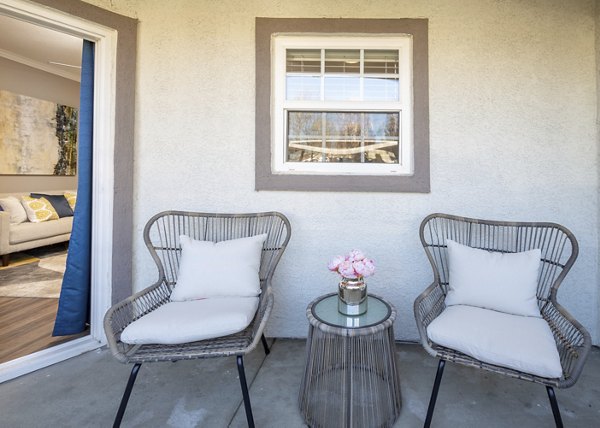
pixel 59 202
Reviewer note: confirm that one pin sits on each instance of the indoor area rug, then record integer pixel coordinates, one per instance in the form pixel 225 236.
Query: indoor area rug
pixel 36 273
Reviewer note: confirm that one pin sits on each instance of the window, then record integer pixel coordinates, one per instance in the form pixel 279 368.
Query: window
pixel 342 105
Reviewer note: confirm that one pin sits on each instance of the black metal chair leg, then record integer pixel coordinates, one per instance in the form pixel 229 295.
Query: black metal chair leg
pixel 554 405
pixel 126 394
pixel 265 345
pixel 434 393
pixel 247 406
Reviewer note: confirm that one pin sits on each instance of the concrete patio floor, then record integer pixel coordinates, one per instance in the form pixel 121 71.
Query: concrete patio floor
pixel 85 392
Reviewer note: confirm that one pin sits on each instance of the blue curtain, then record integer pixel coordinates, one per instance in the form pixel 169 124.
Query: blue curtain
pixel 74 303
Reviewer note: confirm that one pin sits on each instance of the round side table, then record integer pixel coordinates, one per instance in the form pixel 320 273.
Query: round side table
pixel 351 376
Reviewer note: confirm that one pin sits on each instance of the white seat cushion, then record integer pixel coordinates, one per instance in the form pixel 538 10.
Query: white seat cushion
pixel 190 321
pixel 505 282
pixel 522 343
pixel 221 269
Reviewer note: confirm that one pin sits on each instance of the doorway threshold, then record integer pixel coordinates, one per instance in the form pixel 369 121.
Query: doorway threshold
pixel 29 363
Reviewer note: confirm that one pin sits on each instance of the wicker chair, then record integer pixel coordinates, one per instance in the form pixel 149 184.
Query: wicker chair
pixel 161 236
pixel 559 250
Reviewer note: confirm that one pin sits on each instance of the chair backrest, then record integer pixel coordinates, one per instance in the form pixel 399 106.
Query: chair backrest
pixel 558 245
pixel 163 230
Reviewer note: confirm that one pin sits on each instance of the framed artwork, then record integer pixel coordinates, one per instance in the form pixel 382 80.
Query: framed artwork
pixel 37 137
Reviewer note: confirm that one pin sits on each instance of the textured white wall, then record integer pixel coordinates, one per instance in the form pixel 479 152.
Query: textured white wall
pixel 513 136
pixel 597 26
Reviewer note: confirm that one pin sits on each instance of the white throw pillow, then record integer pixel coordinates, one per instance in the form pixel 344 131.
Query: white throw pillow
pixel 13 206
pixel 521 343
pixel 505 282
pixel 183 322
pixel 226 268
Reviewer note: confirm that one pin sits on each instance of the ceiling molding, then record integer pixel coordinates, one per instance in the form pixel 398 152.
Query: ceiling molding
pixel 48 68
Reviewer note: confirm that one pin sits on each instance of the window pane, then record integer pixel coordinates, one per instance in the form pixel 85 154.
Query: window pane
pixel 342 61
pixel 303 87
pixel 303 61
pixel 382 137
pixel 305 136
pixel 349 137
pixel 343 137
pixel 381 89
pixel 381 61
pixel 342 88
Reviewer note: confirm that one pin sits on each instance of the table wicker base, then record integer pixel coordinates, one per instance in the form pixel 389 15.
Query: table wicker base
pixel 350 380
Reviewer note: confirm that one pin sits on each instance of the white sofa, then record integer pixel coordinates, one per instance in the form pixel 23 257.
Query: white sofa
pixel 28 235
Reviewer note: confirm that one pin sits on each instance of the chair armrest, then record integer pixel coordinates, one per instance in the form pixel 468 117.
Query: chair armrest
pixel 125 312
pixel 265 305
pixel 428 305
pixel 4 231
pixel 572 339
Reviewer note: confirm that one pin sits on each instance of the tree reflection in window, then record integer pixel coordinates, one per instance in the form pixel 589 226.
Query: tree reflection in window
pixel 343 137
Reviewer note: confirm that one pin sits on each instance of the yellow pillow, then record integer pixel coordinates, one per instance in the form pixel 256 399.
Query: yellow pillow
pixel 38 209
pixel 71 198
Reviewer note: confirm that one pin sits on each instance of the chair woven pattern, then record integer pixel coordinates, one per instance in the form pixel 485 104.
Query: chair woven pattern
pixel 161 236
pixel 559 250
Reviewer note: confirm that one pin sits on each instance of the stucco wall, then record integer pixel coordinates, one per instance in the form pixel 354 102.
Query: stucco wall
pixel 512 123
pixel 597 24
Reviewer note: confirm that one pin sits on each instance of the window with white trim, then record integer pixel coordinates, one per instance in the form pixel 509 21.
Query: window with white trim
pixel 342 104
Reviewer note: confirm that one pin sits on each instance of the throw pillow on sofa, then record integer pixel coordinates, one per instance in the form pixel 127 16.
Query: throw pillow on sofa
pixel 71 198
pixel 59 202
pixel 38 209
pixel 13 206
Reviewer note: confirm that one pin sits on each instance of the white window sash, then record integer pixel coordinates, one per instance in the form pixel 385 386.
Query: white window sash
pixel 280 106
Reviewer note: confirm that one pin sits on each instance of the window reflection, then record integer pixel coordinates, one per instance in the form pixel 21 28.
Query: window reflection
pixel 342 76
pixel 303 61
pixel 307 88
pixel 342 61
pixel 381 89
pixel 343 137
pixel 342 88
pixel 381 61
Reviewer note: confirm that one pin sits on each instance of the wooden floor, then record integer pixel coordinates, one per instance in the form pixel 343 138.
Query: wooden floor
pixel 26 325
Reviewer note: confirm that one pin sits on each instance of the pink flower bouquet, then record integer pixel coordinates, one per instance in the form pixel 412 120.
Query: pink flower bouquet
pixel 353 266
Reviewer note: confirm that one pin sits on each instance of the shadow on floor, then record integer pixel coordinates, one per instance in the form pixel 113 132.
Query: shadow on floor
pixel 85 392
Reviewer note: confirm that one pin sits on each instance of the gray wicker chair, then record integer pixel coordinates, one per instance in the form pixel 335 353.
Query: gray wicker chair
pixel 161 236
pixel 559 250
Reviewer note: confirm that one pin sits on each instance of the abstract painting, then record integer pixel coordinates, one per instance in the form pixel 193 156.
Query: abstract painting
pixel 37 137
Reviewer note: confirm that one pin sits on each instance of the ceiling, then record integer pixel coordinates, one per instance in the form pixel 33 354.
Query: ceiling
pixel 40 47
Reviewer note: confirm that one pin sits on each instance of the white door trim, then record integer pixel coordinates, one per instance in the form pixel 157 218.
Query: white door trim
pixel 47 357
pixel 103 180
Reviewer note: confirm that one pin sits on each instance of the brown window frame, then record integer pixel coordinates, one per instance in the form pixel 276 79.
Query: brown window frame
pixel 265 179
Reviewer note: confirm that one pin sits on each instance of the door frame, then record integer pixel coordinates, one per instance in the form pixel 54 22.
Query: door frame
pixel 105 40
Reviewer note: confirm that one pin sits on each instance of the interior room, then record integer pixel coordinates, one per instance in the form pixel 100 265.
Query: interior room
pixel 39 88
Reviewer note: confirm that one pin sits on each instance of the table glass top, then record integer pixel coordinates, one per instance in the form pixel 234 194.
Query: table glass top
pixel 326 310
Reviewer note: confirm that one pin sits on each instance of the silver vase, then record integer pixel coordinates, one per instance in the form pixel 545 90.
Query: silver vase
pixel 352 296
